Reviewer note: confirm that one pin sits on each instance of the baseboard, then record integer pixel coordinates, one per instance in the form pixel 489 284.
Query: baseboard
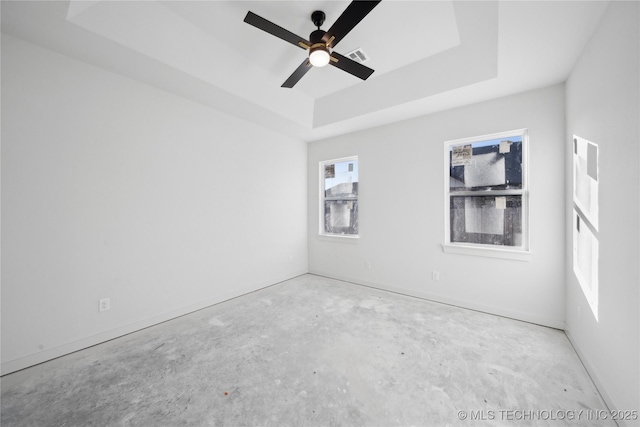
pixel 64 349
pixel 596 381
pixel 498 311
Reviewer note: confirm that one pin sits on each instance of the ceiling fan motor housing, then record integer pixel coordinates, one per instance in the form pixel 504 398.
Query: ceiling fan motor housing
pixel 318 52
pixel 316 37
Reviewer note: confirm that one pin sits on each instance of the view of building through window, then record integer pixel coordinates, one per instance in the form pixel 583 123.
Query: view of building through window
pixel 339 204
pixel 487 191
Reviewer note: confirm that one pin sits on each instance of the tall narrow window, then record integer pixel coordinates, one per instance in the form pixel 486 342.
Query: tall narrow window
pixel 339 197
pixel 486 192
pixel 585 219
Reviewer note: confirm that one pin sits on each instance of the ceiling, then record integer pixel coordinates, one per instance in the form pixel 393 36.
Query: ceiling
pixel 428 56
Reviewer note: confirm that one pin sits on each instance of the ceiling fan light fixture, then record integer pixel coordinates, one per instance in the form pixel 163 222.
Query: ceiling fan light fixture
pixel 319 55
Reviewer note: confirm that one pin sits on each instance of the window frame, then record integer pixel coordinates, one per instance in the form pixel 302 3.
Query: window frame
pixel 322 197
pixel 521 253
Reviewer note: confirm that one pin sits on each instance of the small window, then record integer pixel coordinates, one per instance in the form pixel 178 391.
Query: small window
pixel 486 192
pixel 339 197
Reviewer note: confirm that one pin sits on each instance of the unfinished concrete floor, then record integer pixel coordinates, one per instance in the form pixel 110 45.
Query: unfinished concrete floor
pixel 314 352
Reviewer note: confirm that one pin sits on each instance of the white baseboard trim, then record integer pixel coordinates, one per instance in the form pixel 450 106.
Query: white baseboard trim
pixel 71 347
pixel 596 381
pixel 498 311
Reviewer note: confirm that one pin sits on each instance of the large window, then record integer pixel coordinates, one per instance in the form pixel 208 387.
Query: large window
pixel 339 197
pixel 585 219
pixel 486 192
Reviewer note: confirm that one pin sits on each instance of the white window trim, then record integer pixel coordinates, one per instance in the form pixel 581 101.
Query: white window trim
pixel 588 280
pixel 322 235
pixel 520 254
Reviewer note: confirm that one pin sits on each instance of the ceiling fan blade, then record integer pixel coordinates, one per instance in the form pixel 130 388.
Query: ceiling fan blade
pixel 276 30
pixel 352 15
pixel 350 66
pixel 297 74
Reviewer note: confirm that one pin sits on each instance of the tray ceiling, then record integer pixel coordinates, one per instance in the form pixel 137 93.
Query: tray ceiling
pixel 427 55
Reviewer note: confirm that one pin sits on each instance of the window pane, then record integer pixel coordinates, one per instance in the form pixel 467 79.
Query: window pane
pixel 341 179
pixel 585 260
pixel 585 178
pixel 493 164
pixel 341 216
pixel 486 220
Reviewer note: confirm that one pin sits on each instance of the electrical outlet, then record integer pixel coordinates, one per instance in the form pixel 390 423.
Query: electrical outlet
pixel 105 304
pixel 367 265
pixel 435 275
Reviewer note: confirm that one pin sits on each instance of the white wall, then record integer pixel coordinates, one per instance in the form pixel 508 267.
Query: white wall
pixel 401 207
pixel 111 188
pixel 602 104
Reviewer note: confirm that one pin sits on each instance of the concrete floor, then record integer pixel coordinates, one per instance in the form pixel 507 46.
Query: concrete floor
pixel 314 352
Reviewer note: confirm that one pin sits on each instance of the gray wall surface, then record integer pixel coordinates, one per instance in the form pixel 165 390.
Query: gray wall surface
pixel 113 189
pixel 402 176
pixel 603 107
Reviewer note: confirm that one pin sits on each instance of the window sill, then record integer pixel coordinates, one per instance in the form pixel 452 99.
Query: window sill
pixel 342 238
pixel 487 252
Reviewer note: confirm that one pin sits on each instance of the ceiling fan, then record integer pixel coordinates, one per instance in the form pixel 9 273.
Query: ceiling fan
pixel 321 43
